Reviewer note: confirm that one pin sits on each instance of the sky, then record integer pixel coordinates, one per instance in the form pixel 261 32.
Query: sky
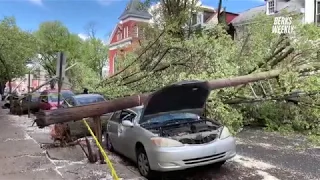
pixel 77 14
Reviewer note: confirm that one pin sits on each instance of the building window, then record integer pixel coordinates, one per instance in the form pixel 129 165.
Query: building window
pixel 194 19
pixel 115 68
pixel 125 32
pixel 136 31
pixel 197 18
pixel 119 35
pixel 271 7
pixel 317 13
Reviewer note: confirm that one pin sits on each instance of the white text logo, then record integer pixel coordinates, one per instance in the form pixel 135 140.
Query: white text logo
pixel 282 25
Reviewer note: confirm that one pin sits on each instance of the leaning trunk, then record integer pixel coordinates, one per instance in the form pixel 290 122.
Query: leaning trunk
pixel 47 118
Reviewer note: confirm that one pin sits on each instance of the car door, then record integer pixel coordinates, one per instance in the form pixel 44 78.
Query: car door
pixel 43 101
pixel 35 102
pixel 112 129
pixel 126 134
pixel 68 102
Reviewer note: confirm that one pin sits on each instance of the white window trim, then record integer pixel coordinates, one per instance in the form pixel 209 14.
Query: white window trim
pixel 317 14
pixel 268 7
pixel 127 31
pixel 119 36
pixel 199 19
pixel 137 31
pixel 114 63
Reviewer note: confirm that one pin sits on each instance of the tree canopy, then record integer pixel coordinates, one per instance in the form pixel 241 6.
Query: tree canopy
pixel 167 55
pixel 16 48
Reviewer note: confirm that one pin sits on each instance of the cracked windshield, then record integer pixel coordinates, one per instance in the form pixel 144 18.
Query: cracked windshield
pixel 160 89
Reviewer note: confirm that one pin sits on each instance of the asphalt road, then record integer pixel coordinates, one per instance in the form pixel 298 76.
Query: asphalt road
pixel 261 156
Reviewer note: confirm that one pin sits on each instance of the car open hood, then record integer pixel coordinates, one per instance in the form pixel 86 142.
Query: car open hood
pixel 186 96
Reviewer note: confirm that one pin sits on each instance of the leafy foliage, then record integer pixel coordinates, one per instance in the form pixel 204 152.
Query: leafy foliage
pixel 94 55
pixel 16 48
pixel 166 55
pixel 212 54
pixel 54 37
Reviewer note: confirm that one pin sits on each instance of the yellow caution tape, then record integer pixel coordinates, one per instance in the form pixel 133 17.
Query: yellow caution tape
pixel 113 171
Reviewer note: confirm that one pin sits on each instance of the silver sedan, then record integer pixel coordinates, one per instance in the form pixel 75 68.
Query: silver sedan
pixel 169 132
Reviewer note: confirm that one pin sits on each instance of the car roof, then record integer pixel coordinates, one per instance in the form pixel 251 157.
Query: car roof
pixel 55 90
pixel 87 95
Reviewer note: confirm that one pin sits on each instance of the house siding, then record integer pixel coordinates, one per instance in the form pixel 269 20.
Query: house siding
pixel 309 11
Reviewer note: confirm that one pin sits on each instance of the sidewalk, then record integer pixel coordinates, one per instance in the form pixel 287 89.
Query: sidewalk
pixel 22 158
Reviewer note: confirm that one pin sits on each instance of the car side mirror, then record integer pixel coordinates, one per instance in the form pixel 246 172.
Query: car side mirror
pixel 127 123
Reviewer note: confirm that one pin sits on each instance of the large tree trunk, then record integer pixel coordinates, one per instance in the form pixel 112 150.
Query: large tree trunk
pixel 47 118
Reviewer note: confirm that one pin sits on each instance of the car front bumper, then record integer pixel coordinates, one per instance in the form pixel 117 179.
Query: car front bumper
pixel 189 156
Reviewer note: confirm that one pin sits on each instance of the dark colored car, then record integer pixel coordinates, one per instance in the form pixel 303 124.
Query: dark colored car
pixel 77 128
pixel 6 103
pixel 21 106
pixel 49 98
pixel 82 99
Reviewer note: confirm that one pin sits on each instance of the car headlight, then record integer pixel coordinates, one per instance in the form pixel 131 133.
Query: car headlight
pixel 225 133
pixel 165 142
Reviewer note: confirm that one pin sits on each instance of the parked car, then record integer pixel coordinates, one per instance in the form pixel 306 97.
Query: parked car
pixel 169 133
pixel 77 128
pixel 5 93
pixel 22 105
pixel 49 98
pixel 6 101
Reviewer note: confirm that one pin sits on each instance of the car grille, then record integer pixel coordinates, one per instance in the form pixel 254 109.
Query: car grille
pixel 199 139
pixel 204 159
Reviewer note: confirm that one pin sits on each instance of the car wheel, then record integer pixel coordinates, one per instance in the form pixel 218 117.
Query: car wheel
pixel 219 164
pixel 108 142
pixel 143 164
pixel 7 105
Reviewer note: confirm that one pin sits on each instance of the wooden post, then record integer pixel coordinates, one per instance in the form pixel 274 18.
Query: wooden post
pixel 98 133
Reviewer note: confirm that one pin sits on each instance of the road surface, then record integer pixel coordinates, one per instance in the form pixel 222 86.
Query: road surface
pixel 261 156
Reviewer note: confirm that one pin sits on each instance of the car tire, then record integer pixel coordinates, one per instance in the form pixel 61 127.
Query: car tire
pixel 219 164
pixel 7 105
pixel 143 164
pixel 108 143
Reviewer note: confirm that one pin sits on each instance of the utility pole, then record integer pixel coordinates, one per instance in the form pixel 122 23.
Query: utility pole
pixel 61 62
pixel 29 95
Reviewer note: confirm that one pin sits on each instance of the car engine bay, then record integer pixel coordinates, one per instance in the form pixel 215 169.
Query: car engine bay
pixel 195 132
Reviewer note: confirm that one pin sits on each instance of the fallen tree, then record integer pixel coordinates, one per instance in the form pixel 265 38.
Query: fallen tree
pixel 47 118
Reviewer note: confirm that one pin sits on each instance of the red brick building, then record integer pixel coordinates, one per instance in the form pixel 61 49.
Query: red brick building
pixel 125 35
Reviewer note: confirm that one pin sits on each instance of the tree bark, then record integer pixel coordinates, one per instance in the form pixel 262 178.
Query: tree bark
pixel 62 115
pixel 47 118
